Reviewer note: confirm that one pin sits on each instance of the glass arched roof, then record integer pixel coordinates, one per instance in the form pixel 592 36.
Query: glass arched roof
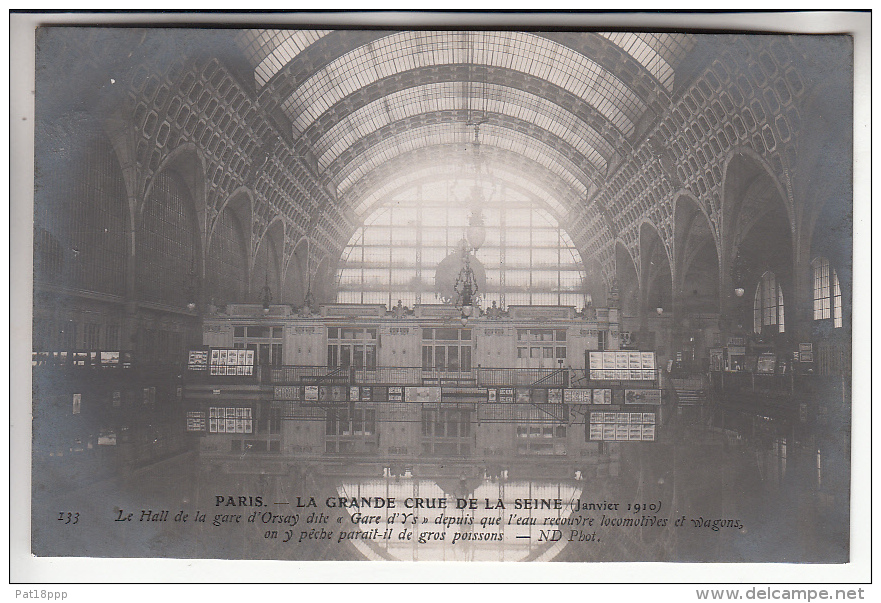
pixel 458 133
pixel 268 50
pixel 554 115
pixel 446 96
pixel 657 52
pixel 518 51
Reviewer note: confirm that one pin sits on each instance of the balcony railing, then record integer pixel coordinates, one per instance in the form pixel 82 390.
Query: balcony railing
pixel 548 377
pixel 286 375
pixel 417 376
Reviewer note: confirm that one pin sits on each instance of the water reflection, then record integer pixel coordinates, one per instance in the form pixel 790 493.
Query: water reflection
pixel 748 488
pixel 462 519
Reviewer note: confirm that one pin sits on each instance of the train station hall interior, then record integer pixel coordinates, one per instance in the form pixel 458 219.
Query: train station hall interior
pixel 505 264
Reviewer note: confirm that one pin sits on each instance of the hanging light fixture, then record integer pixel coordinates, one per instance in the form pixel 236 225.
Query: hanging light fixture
pixel 737 270
pixel 466 286
pixel 191 285
pixel 476 231
pixel 659 306
pixel 476 115
pixel 266 293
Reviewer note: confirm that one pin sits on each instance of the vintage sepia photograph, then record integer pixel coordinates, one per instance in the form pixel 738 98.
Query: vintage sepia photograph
pixel 452 290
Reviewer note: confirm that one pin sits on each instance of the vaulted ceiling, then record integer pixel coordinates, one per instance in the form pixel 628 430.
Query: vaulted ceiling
pixel 317 127
pixel 553 113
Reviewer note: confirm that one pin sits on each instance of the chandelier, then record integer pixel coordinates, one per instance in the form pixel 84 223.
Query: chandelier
pixel 738 269
pixel 466 287
pixel 466 283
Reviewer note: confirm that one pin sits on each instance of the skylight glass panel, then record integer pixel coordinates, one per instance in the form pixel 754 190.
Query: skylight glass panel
pixel 269 50
pixel 520 51
pixel 453 134
pixel 517 268
pixel 448 96
pixel 642 48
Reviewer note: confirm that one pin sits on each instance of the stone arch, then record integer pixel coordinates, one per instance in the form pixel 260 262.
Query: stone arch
pixel 169 236
pixel 267 263
pixel 81 216
pixel 628 280
pixel 188 163
pixel 241 201
pixel 296 280
pixel 743 166
pixel 696 259
pixel 323 283
pixel 227 270
pixel 826 224
pixel 656 275
pixel 756 236
pixel 823 169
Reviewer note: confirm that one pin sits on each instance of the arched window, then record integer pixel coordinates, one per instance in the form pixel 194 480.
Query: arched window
pixel 226 276
pixel 827 292
pixel 80 222
pixel 527 257
pixel 167 245
pixel 768 304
